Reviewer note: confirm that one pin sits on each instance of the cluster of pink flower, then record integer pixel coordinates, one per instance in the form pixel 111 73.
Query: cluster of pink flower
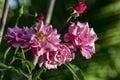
pixel 44 41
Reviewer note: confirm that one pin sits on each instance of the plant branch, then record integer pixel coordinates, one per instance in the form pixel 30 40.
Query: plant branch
pixel 3 18
pixel 49 12
pixel 5 54
pixel 36 58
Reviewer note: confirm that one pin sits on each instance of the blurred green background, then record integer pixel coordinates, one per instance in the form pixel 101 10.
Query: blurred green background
pixel 102 15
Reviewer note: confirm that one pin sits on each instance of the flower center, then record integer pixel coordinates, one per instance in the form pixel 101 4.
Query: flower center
pixel 40 36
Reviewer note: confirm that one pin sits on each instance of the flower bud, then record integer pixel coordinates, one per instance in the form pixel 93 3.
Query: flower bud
pixel 40 17
pixel 80 7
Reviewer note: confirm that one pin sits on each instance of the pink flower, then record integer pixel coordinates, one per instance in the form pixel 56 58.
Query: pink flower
pixel 53 59
pixel 40 17
pixel 80 7
pixel 40 39
pixel 19 37
pixel 82 37
pixel 44 39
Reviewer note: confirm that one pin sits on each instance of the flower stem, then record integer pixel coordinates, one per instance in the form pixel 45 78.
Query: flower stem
pixel 13 59
pixel 2 75
pixel 65 23
pixel 20 14
pixel 26 64
pixel 68 66
pixel 3 18
pixel 5 54
pixel 36 58
pixel 49 13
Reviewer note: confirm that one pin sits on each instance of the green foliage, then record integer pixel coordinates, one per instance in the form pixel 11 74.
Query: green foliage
pixel 77 73
pixel 3 67
pixel 37 74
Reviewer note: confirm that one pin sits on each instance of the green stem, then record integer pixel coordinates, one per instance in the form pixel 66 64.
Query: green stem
pixel 2 75
pixel 49 12
pixel 26 50
pixel 68 66
pixel 3 18
pixel 38 73
pixel 13 59
pixel 21 13
pixel 6 53
pixel 68 19
pixel 26 64
pixel 36 58
pixel 65 23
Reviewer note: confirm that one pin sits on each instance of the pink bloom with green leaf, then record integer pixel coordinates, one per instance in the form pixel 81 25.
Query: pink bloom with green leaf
pixel 52 59
pixel 82 37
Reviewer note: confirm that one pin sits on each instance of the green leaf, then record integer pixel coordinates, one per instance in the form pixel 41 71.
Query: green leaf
pixel 32 66
pixel 14 58
pixel 24 62
pixel 37 74
pixel 77 72
pixel 6 53
pixel 3 67
pixel 25 74
pixel 14 69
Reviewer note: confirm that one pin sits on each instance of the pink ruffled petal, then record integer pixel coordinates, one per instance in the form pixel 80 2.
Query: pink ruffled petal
pixel 82 37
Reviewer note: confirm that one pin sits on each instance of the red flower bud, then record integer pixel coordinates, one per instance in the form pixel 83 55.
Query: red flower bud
pixel 80 7
pixel 40 17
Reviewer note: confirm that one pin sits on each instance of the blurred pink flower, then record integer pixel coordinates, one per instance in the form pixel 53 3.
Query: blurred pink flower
pixel 19 37
pixel 44 39
pixel 82 37
pixel 80 7
pixel 52 59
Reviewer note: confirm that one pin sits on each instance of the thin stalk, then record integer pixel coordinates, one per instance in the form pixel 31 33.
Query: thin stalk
pixel 67 65
pixel 5 54
pixel 36 58
pixel 50 11
pixel 13 59
pixel 65 23
pixel 3 18
pixel 26 64
pixel 20 14
pixel 2 76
